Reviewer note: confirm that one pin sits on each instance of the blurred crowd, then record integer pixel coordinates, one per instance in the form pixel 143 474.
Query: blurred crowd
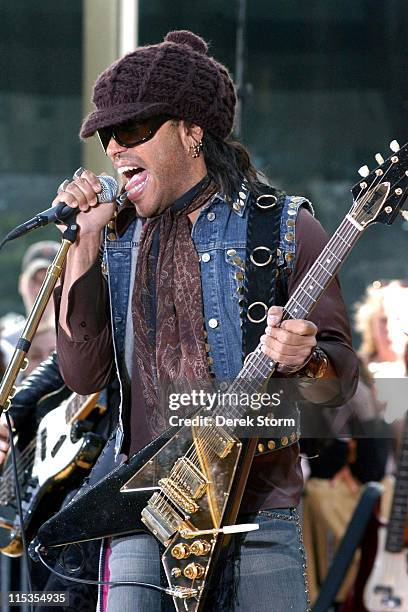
pixel 363 438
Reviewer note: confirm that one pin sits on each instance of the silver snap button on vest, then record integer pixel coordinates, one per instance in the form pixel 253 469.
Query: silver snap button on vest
pixel 213 323
pixel 205 257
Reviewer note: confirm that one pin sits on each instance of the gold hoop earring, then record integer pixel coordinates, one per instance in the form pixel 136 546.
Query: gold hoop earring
pixel 195 149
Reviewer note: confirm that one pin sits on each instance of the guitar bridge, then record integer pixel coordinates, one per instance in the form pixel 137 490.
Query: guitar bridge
pixel 162 519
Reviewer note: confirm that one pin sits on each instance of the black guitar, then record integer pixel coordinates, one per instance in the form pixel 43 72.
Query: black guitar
pixel 187 489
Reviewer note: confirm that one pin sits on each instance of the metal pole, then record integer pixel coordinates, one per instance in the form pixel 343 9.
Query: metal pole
pixel 128 26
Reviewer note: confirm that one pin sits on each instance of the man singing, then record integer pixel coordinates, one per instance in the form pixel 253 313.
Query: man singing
pixel 165 303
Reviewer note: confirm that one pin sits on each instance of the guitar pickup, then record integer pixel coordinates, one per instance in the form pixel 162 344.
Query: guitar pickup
pixel 162 520
pixel 187 476
pixel 218 440
pixel 178 495
pixel 58 445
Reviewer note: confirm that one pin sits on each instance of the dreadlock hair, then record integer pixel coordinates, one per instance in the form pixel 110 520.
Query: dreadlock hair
pixel 228 164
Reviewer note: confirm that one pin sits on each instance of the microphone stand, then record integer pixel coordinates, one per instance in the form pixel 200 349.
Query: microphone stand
pixel 19 361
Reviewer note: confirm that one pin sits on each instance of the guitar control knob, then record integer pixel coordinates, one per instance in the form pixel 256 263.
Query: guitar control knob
pixel 180 551
pixel 79 429
pixel 200 548
pixel 176 572
pixel 192 571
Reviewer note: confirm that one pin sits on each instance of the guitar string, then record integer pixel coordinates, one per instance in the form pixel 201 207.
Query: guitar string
pixel 320 277
pixel 26 457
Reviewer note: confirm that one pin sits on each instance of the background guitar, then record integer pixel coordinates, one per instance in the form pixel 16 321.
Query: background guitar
pixel 387 586
pixel 63 448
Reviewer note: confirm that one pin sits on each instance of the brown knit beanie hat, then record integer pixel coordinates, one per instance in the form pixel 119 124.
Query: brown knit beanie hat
pixel 175 78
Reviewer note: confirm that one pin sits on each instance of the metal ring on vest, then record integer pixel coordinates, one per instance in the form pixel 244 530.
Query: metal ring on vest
pixel 266 206
pixel 252 306
pixel 257 263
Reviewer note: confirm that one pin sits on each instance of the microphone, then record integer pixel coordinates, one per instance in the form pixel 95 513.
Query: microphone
pixel 61 212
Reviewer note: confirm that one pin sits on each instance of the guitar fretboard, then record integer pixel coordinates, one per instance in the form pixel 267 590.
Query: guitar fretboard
pixel 399 509
pixel 74 406
pixel 258 366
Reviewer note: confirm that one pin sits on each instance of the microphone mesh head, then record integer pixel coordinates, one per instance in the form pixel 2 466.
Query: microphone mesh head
pixel 109 189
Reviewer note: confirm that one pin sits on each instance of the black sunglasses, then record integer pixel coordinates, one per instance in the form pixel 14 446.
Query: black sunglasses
pixel 131 133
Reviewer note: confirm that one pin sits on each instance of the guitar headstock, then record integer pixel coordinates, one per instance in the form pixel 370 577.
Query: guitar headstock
pixel 380 195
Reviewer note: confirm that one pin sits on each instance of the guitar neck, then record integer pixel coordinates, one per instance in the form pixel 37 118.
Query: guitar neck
pixel 320 275
pixel 79 406
pixel 399 509
pixel 258 367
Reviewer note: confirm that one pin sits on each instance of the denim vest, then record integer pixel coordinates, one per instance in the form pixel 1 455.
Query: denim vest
pixel 219 236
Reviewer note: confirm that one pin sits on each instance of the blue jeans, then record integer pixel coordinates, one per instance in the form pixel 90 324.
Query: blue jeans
pixel 272 568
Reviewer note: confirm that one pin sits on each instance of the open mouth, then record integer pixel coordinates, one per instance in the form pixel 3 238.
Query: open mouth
pixel 136 177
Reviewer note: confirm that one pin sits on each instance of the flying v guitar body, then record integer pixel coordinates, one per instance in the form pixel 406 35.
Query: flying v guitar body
pixel 176 500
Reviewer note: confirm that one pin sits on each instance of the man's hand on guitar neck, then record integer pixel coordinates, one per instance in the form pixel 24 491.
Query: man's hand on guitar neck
pixel 291 344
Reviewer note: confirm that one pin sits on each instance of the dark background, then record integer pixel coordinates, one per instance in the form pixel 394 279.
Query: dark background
pixel 329 90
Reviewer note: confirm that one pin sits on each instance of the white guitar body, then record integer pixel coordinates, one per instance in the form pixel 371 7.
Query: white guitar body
pixel 387 587
pixel 57 452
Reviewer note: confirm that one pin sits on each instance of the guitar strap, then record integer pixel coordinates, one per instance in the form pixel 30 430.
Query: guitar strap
pixel 265 278
pixel 263 235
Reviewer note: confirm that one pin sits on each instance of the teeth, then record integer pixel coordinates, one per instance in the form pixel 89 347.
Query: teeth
pixel 124 169
pixel 138 187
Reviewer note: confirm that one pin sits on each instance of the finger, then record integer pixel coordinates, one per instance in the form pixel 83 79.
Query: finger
pixel 4 446
pixel 286 350
pixel 62 186
pixel 287 337
pixel 293 356
pixel 4 430
pixel 300 326
pixel 78 172
pixel 274 315
pixel 92 180
pixel 78 194
pixel 2 457
pixel 4 433
pixel 84 193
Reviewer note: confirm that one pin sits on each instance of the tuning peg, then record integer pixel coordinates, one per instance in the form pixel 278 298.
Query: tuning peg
pixel 379 159
pixel 364 171
pixel 394 146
